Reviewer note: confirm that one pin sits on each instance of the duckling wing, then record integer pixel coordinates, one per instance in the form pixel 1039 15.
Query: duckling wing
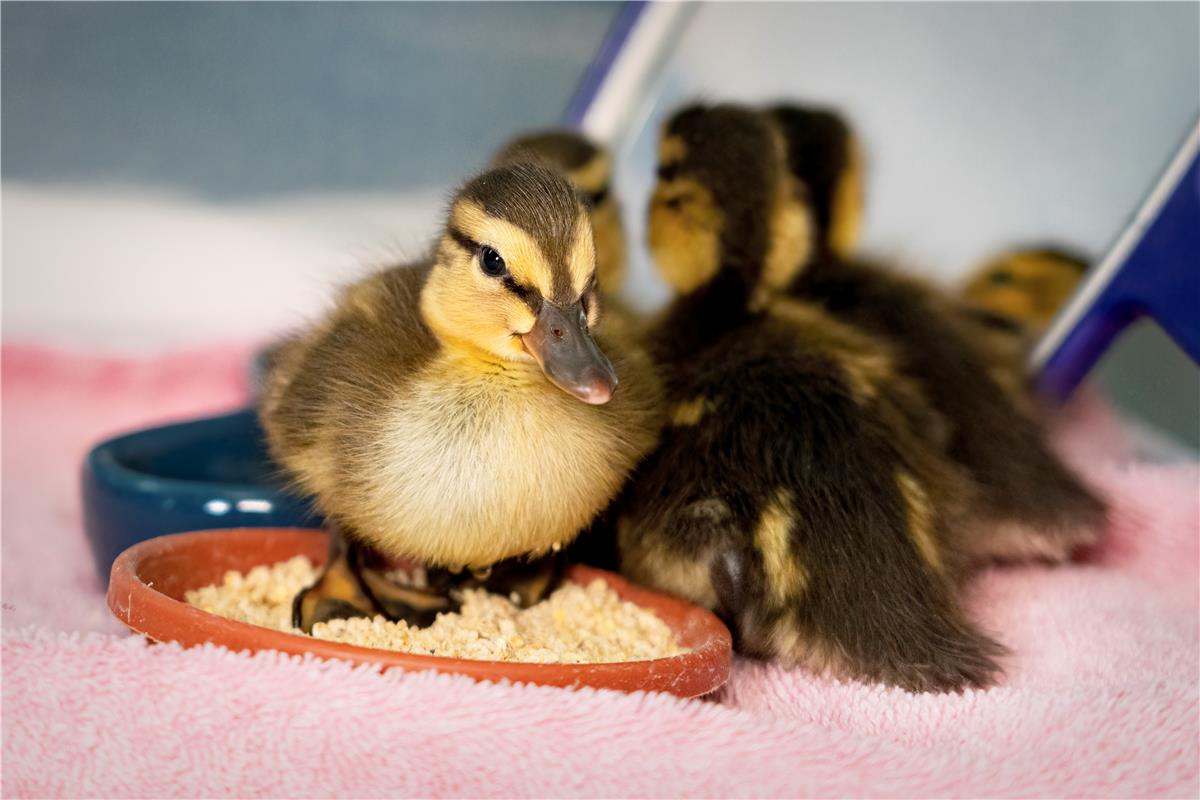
pixel 1029 502
pixel 807 515
pixel 323 382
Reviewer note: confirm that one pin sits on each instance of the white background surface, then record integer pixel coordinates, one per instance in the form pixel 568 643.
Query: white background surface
pixel 984 125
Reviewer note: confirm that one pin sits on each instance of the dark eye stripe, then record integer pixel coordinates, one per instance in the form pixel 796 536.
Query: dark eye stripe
pixel 462 240
pixel 526 293
pixel 590 294
pixel 668 172
pixel 593 199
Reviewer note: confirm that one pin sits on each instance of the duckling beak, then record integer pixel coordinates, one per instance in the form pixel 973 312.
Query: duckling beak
pixel 567 353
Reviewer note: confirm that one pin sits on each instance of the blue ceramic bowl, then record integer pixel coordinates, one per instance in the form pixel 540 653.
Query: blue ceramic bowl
pixel 206 473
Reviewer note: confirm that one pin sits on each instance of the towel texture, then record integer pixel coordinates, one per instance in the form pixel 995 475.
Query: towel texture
pixel 1101 695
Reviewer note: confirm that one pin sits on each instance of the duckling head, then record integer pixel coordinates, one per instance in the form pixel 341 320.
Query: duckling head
pixel 725 203
pixel 823 154
pixel 588 167
pixel 1028 285
pixel 513 280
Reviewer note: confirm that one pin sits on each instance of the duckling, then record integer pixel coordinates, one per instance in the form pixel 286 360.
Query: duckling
pixel 1013 297
pixel 1029 504
pixel 824 155
pixel 587 165
pixel 1022 289
pixel 799 489
pixel 464 410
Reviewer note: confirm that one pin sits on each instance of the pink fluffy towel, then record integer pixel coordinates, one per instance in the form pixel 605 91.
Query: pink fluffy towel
pixel 1101 695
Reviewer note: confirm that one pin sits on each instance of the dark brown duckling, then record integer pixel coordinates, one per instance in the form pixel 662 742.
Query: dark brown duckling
pixel 462 411
pixel 800 488
pixel 825 156
pixel 1030 505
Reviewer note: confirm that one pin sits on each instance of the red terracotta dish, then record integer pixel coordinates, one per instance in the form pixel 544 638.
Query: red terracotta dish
pixel 149 581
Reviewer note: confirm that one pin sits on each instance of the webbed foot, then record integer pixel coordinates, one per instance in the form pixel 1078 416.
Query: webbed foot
pixel 338 592
pixel 353 583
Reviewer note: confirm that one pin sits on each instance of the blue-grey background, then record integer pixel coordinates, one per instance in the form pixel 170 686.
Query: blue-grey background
pixel 199 166
pixel 248 99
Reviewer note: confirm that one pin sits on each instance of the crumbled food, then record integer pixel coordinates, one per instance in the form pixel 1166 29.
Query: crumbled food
pixel 575 625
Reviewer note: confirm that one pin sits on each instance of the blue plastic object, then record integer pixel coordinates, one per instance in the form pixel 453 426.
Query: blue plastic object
pixel 206 473
pixel 1153 270
pixel 601 65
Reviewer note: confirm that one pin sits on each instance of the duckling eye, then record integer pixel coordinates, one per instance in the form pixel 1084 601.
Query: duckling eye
pixel 594 199
pixel 668 172
pixel 1001 278
pixel 491 262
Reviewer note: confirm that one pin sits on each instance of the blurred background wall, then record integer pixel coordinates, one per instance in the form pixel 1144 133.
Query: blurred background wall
pixel 178 172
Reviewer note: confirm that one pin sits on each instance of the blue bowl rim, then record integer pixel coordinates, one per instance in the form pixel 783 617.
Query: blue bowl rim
pixel 104 464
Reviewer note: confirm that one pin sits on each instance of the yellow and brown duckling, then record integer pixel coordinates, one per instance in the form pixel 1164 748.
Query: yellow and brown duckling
pixel 824 154
pixel 587 165
pixel 1022 289
pixel 1013 297
pixel 1029 504
pixel 462 411
pixel 799 489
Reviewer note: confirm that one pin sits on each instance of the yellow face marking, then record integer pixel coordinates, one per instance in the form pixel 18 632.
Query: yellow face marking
pixel 685 233
pixel 919 513
pixel 785 576
pixel 472 312
pixel 671 149
pixel 1026 286
pixel 689 412
pixel 609 235
pixel 526 261
pixel 685 225
pixel 581 259
pixel 592 176
pixel 607 231
pixel 475 313
pixel 791 237
pixel 845 216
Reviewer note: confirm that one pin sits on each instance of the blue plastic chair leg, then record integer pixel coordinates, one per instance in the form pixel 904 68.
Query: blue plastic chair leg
pixel 1153 270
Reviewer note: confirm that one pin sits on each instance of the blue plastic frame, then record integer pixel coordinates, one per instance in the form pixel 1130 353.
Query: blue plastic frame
pixel 1153 270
